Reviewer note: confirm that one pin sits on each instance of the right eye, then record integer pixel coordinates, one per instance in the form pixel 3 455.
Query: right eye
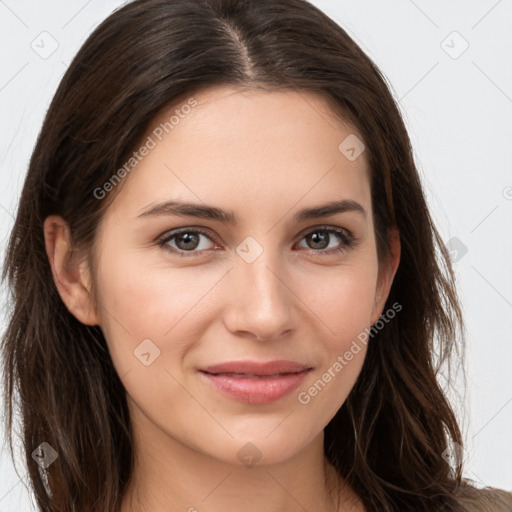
pixel 187 240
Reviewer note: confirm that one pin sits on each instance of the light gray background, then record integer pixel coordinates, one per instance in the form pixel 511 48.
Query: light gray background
pixel 458 108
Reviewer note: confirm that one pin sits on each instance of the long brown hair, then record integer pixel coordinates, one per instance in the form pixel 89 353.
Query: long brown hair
pixel 390 438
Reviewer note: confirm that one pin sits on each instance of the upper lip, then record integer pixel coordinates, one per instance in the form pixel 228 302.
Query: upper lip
pixel 256 368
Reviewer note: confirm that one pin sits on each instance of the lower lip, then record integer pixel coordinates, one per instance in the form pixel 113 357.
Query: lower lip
pixel 256 390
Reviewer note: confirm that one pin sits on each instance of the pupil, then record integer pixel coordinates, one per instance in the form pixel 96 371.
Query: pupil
pixel 320 239
pixel 189 239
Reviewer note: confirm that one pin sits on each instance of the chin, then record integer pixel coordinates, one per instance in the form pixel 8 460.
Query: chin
pixel 261 447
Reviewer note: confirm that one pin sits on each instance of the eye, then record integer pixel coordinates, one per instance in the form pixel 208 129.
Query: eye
pixel 188 240
pixel 321 238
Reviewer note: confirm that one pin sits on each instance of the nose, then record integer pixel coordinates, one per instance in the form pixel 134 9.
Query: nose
pixel 261 300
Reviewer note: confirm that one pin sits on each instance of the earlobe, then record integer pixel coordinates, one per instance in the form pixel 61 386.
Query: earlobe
pixel 387 272
pixel 72 278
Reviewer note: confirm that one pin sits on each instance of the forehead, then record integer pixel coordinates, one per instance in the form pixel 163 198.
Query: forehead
pixel 252 147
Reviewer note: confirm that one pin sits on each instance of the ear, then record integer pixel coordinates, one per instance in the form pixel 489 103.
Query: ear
pixel 387 271
pixel 72 278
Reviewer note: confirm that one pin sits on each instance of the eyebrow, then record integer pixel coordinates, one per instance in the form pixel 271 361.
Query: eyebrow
pixel 203 211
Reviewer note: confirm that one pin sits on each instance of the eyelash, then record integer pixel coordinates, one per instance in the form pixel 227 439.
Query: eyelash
pixel 348 240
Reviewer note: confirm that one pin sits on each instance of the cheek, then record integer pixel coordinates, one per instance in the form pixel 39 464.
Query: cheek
pixel 162 304
pixel 343 299
pixel 344 305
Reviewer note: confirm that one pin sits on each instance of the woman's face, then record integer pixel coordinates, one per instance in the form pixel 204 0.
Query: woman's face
pixel 256 288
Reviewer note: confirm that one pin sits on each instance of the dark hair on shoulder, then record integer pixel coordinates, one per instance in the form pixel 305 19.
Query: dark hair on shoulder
pixel 388 438
pixel 488 499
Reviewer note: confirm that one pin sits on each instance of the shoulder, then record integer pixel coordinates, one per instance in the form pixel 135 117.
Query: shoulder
pixel 488 499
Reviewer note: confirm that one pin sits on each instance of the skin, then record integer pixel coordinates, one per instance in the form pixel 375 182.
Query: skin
pixel 264 156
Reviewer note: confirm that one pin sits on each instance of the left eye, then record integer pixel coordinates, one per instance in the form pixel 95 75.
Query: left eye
pixel 319 236
pixel 189 241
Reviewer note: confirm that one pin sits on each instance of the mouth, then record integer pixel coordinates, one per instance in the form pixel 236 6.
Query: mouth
pixel 250 375
pixel 255 383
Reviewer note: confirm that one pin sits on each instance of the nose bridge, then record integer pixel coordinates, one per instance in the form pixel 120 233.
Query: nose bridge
pixel 262 301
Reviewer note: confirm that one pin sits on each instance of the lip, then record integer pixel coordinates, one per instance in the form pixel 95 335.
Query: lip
pixel 257 368
pixel 253 382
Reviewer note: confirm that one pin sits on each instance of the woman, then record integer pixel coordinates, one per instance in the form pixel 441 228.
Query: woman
pixel 224 276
